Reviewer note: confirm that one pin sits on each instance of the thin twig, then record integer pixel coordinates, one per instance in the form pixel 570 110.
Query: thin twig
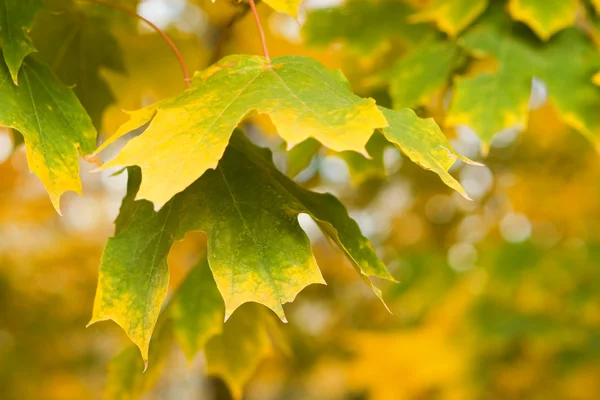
pixel 260 30
pixel 156 28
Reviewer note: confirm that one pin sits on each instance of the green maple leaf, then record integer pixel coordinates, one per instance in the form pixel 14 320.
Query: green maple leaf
pixel 422 73
pixel 424 143
pixel 363 169
pixel 52 122
pixel 189 133
pixel 16 18
pixel 125 380
pixel 256 248
pixel 451 16
pixel 77 47
pixel 235 354
pixel 300 156
pixel 545 17
pixel 491 102
pixel 363 25
pixel 577 107
pixel 197 310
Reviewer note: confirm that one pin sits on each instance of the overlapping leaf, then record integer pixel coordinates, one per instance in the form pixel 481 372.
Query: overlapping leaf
pixel 451 16
pixel 256 248
pixel 577 107
pixel 235 354
pixel 188 133
pixel 77 47
pixel 16 18
pixel 545 17
pixel 362 25
pixel 424 143
pixel 197 310
pixel 422 73
pixel 53 122
pixel 492 102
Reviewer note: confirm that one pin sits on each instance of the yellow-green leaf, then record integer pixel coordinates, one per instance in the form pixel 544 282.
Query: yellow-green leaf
pixel 493 101
pixel 128 378
pixel 285 6
pixel 578 107
pixel 16 18
pixel 53 123
pixel 596 4
pixel 245 342
pixel 545 17
pixel 416 78
pixel 300 157
pixel 197 310
pixel 188 134
pixel 451 16
pixel 363 25
pixel 424 143
pixel 256 248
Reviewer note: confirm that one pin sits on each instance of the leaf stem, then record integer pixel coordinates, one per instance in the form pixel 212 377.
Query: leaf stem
pixel 166 38
pixel 260 31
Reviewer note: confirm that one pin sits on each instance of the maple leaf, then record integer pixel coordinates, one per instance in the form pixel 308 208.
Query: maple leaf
pixel 362 25
pixel 197 310
pixel 545 17
pixel 189 133
pixel 245 342
pixel 415 78
pixel 77 47
pixel 16 18
pixel 53 124
pixel 578 108
pixel 424 143
pixel 125 380
pixel 451 16
pixel 491 102
pixel 256 248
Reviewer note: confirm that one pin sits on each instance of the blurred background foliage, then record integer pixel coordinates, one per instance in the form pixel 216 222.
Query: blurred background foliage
pixel 497 298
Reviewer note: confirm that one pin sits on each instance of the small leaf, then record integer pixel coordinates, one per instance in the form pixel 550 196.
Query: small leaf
pixel 53 123
pixel 416 78
pixel 256 248
pixel 125 380
pixel 491 102
pixel 285 6
pixel 424 143
pixel 300 157
pixel 545 17
pixel 451 16
pixel 577 107
pixel 596 79
pixel 363 169
pixel 189 133
pixel 197 310
pixel 16 18
pixel 362 25
pixel 245 342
